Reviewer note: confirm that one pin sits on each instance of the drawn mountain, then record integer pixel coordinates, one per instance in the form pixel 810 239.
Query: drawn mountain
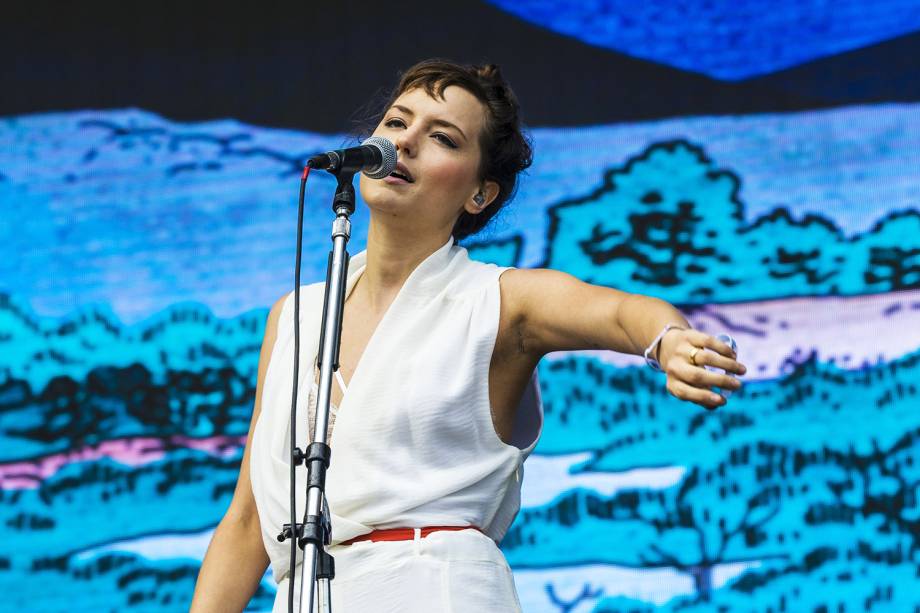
pixel 626 418
pixel 669 223
pixel 87 378
pixel 181 337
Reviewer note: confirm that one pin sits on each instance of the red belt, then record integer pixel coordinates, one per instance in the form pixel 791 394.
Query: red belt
pixel 402 534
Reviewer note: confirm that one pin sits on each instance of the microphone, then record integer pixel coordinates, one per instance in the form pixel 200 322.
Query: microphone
pixel 375 157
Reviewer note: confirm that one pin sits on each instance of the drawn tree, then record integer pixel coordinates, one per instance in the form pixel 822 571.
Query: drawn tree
pixel 698 528
pixel 566 606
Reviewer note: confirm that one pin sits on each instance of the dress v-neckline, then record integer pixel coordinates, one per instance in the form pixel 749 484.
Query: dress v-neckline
pixel 370 339
pixel 353 281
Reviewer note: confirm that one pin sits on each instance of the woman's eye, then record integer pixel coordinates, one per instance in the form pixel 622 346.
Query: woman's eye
pixel 394 123
pixel 445 139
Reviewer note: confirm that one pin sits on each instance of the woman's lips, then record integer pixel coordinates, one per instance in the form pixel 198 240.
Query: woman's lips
pixel 403 171
pixel 395 180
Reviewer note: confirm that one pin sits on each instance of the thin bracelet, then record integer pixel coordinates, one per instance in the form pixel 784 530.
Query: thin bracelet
pixel 652 361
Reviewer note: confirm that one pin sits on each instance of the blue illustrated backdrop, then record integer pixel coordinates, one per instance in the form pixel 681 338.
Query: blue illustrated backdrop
pixel 141 253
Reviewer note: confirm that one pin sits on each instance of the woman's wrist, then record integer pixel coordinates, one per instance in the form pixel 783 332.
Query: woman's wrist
pixel 652 353
pixel 662 359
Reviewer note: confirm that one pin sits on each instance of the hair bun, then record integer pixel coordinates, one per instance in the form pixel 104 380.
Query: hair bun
pixel 489 71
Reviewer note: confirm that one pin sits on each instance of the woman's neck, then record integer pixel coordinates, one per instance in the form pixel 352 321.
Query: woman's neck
pixel 392 255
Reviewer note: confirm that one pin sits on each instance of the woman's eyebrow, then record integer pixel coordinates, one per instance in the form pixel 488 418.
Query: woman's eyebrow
pixel 437 122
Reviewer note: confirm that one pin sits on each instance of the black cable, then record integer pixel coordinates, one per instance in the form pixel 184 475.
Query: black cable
pixel 294 532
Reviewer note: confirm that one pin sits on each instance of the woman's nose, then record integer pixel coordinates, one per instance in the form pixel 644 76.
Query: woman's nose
pixel 404 145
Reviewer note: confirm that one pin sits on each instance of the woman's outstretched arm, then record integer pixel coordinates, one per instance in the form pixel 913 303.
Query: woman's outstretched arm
pixel 236 560
pixel 554 311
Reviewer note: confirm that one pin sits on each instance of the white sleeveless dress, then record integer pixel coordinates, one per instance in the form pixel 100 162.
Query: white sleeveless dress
pixel 413 446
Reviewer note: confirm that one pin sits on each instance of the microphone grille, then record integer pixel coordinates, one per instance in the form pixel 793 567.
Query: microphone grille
pixel 387 155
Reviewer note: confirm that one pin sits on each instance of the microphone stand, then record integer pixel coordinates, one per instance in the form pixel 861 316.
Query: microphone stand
pixel 314 533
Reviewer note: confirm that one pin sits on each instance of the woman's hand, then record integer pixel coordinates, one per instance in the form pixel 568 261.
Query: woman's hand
pixel 690 380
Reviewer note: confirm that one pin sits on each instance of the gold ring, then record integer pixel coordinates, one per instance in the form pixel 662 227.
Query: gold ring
pixel 693 353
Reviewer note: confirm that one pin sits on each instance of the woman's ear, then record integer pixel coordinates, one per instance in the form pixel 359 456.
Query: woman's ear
pixel 483 198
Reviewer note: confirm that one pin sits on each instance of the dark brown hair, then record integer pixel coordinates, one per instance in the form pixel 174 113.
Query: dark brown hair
pixel 506 148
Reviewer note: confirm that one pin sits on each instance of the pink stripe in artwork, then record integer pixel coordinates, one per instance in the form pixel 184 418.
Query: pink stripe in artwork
pixel 129 451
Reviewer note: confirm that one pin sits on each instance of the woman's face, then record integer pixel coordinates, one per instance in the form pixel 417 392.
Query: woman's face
pixel 437 143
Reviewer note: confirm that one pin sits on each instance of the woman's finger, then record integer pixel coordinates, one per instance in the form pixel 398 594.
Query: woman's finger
pixel 698 376
pixel 701 339
pixel 721 355
pixel 695 372
pixel 708 400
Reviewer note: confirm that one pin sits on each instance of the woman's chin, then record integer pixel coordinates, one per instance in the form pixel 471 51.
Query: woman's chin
pixel 386 201
pixel 379 190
